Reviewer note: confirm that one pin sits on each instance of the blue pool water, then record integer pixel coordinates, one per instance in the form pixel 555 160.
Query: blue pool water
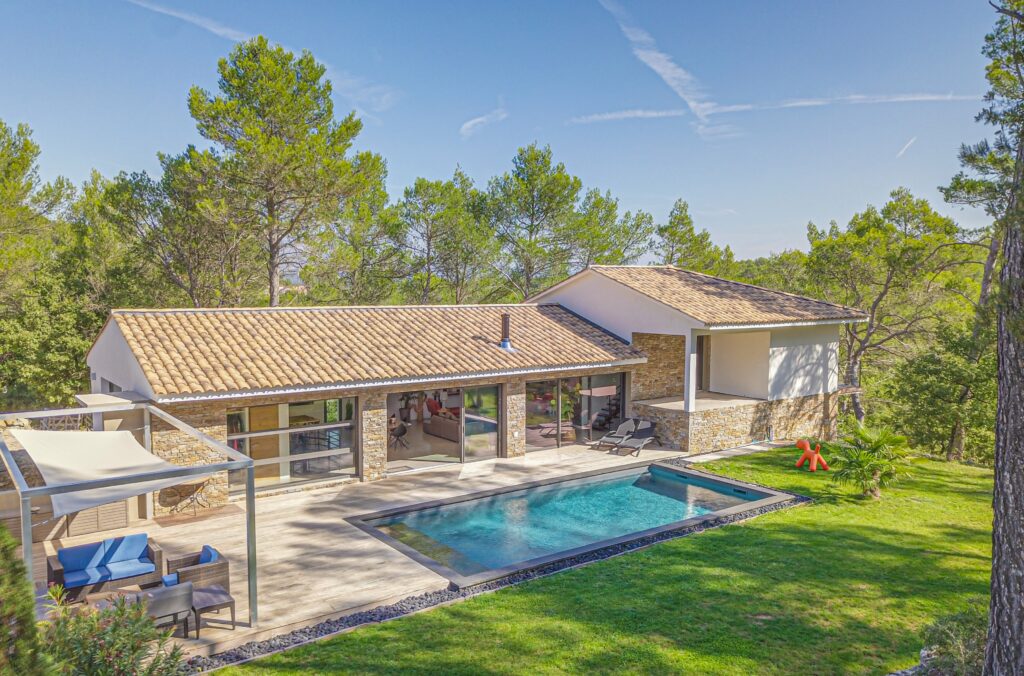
pixel 492 532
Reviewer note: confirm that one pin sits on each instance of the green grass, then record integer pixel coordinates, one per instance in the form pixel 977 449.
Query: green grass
pixel 840 586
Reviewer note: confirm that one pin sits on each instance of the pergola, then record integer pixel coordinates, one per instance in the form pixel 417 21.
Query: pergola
pixel 142 481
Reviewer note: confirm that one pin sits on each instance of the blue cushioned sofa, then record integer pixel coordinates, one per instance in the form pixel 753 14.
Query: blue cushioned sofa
pixel 110 564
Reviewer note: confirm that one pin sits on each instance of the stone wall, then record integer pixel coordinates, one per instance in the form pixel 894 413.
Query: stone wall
pixel 715 429
pixel 515 418
pixel 663 374
pixel 179 448
pixel 672 427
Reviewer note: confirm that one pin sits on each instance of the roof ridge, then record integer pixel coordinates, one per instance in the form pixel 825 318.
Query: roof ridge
pixel 318 308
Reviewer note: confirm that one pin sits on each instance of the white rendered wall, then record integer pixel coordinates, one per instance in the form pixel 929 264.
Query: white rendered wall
pixel 111 359
pixel 739 363
pixel 804 360
pixel 619 309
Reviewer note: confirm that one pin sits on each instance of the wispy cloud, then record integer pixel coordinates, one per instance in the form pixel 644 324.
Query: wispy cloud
pixel 357 89
pixel 635 114
pixel 702 106
pixel 207 24
pixel 678 79
pixel 905 148
pixel 715 212
pixel 716 109
pixel 472 126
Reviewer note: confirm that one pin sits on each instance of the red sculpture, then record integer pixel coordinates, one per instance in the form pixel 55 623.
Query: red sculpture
pixel 814 457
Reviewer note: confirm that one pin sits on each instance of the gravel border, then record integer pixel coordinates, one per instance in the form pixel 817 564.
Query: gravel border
pixel 413 604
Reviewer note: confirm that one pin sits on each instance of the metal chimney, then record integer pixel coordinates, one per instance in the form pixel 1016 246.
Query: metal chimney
pixel 506 330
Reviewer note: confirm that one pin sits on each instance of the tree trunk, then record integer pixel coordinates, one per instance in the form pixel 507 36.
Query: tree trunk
pixel 955 447
pixel 853 378
pixel 1004 653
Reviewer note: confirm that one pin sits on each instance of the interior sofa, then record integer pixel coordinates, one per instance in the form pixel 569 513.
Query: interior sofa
pixel 439 426
pixel 105 565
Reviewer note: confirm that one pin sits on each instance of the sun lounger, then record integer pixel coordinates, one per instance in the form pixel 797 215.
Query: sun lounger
pixel 621 433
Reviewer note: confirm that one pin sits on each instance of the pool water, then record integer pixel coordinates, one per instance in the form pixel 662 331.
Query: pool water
pixel 508 528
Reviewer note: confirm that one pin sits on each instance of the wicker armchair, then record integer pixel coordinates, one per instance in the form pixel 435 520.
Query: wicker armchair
pixel 201 575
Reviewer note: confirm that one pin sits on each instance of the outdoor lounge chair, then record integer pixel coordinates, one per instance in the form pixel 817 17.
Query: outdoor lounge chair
pixel 643 435
pixel 203 569
pixel 621 433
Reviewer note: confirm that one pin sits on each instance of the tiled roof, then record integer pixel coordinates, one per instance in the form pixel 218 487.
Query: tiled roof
pixel 194 352
pixel 720 302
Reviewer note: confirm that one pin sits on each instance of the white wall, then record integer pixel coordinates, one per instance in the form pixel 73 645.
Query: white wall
pixel 803 361
pixel 111 359
pixel 739 363
pixel 619 309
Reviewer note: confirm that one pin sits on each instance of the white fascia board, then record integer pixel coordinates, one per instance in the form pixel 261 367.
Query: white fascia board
pixel 782 325
pixel 394 382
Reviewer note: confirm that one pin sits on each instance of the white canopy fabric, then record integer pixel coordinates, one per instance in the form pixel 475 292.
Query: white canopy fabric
pixel 74 457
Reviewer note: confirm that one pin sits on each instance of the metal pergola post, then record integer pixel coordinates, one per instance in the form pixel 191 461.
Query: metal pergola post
pixel 236 461
pixel 250 540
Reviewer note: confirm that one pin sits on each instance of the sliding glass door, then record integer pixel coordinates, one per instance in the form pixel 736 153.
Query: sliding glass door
pixel 541 415
pixel 573 410
pixel 482 424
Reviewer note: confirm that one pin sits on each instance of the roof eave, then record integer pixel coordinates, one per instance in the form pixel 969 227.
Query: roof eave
pixel 390 382
pixel 785 324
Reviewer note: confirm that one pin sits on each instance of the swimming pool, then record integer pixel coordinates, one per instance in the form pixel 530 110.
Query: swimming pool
pixel 478 537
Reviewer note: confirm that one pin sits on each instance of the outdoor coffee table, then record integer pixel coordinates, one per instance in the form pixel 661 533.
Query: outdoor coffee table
pixel 208 599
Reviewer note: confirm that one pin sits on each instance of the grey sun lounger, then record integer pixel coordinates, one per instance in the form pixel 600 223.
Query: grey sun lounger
pixel 635 443
pixel 621 433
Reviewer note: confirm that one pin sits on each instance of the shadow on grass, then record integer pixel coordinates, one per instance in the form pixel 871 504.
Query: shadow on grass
pixel 842 586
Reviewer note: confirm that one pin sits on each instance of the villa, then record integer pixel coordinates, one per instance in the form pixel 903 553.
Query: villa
pixel 332 394
pixel 205 408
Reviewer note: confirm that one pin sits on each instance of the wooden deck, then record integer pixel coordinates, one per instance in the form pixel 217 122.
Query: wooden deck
pixel 313 565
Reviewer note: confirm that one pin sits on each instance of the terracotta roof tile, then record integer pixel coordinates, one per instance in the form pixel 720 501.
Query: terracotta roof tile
pixel 721 302
pixel 193 352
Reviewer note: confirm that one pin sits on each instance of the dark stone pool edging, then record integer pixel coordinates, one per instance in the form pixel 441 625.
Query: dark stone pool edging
pixel 413 604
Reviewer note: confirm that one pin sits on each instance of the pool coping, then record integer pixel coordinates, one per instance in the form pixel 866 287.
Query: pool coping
pixel 459 581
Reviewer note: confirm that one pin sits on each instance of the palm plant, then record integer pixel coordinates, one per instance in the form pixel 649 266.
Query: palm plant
pixel 870 458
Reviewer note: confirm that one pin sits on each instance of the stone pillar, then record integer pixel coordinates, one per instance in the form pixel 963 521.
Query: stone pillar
pixel 373 435
pixel 515 418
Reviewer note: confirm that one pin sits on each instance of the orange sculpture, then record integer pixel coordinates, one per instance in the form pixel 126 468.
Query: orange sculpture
pixel 814 457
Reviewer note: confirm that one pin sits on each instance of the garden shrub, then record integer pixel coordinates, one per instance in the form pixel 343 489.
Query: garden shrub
pixel 19 638
pixel 957 642
pixel 119 640
pixel 870 458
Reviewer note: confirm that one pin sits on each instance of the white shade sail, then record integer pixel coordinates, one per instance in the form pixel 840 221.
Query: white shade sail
pixel 76 457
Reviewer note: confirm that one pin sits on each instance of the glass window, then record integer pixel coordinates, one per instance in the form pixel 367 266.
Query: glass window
pixel 301 441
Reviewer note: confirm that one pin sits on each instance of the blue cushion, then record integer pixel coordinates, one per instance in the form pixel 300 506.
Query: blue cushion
pixel 122 569
pixel 81 578
pixel 127 548
pixel 82 557
pixel 208 555
pixel 170 580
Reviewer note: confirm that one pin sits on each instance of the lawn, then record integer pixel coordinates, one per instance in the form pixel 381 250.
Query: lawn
pixel 843 585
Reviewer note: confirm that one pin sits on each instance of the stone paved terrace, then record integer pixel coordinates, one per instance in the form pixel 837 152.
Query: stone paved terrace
pixel 313 565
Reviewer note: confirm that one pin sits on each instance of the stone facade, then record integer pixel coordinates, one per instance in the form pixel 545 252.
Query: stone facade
pixel 371 439
pixel 672 427
pixel 727 427
pixel 663 374
pixel 179 448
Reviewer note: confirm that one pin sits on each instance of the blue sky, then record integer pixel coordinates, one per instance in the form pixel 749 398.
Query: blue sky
pixel 762 115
